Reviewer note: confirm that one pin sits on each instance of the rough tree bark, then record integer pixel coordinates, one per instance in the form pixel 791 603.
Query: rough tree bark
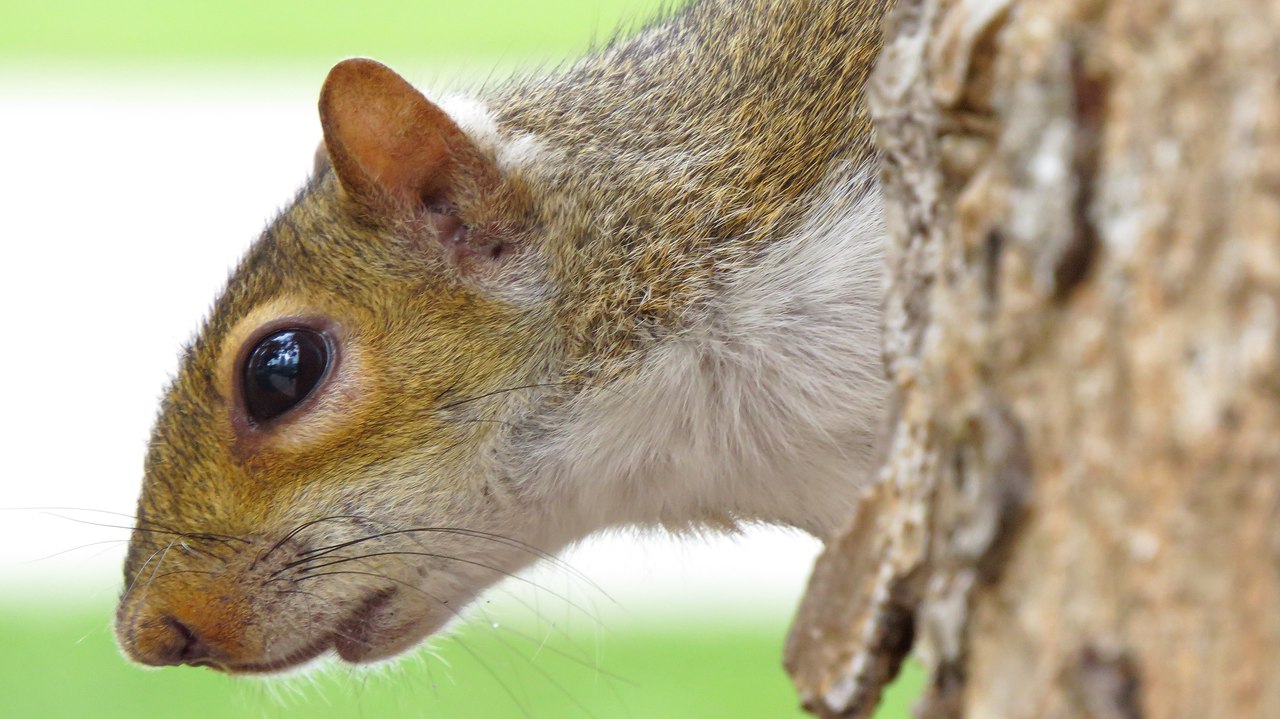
pixel 1078 513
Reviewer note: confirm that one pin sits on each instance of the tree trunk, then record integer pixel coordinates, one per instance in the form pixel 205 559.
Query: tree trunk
pixel 1078 512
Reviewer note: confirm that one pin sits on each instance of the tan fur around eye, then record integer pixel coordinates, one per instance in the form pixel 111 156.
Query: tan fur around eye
pixel 336 403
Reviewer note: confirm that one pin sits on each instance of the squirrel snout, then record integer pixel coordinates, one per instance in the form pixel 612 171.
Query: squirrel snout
pixel 177 643
pixel 165 640
pixel 220 628
pixel 181 623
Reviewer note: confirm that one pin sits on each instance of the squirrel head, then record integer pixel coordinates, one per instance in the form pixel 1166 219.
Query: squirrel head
pixel 478 332
pixel 318 475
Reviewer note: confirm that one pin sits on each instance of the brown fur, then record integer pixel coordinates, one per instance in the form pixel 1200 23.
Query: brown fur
pixel 676 157
pixel 703 136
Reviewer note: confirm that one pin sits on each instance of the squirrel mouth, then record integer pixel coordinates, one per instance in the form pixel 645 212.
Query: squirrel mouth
pixel 353 640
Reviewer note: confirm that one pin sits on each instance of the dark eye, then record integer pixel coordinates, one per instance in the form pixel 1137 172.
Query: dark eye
pixel 283 368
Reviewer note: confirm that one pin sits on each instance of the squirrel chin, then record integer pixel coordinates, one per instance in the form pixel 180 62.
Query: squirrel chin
pixel 380 630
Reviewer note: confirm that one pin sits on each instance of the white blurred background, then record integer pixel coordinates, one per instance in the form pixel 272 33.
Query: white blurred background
pixel 124 200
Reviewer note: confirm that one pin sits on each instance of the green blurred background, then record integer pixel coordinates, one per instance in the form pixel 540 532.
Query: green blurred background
pixel 57 655
pixel 61 662
pixel 245 31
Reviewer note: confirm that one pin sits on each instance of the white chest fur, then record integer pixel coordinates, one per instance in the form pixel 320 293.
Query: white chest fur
pixel 767 410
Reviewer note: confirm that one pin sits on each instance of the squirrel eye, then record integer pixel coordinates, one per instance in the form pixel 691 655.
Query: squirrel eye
pixel 283 368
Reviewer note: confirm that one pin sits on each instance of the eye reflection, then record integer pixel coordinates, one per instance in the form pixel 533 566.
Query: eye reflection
pixel 283 368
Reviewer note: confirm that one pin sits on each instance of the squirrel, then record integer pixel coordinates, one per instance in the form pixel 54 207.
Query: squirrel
pixel 644 290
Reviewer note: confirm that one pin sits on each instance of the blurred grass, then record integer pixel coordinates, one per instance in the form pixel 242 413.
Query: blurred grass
pixel 64 663
pixel 246 31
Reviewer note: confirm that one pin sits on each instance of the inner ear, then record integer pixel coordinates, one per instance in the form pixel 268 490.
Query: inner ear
pixel 394 151
pixel 386 140
pixel 449 227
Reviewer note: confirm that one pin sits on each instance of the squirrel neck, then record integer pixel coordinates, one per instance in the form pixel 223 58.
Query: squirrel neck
pixel 676 154
pixel 711 235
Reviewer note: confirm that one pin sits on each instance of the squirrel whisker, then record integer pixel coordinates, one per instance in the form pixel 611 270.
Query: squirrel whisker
pixel 476 533
pixel 77 548
pixel 155 527
pixel 544 647
pixel 305 525
pixel 494 675
pixel 203 536
pixel 162 552
pixel 536 385
pixel 331 603
pixel 303 570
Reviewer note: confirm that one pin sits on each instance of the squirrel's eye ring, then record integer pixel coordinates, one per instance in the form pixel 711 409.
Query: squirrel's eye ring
pixel 282 369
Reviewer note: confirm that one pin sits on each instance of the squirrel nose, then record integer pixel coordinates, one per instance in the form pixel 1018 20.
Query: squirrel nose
pixel 170 642
pixel 191 649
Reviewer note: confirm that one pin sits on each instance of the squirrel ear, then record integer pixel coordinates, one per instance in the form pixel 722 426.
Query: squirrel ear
pixel 384 138
pixel 320 161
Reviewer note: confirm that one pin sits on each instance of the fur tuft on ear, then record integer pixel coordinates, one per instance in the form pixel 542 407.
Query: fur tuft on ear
pixel 320 161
